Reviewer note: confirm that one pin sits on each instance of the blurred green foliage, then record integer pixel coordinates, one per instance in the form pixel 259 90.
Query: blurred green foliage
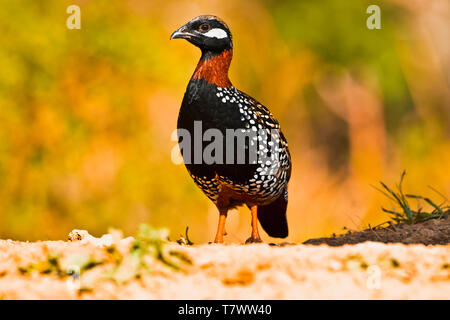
pixel 335 31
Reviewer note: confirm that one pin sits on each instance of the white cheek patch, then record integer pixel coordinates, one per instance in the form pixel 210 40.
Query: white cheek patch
pixel 216 33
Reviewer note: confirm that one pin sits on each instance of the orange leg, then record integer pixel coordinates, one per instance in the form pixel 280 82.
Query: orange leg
pixel 221 228
pixel 254 238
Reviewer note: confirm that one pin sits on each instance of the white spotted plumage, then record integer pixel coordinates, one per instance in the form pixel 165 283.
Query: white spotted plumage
pixel 272 174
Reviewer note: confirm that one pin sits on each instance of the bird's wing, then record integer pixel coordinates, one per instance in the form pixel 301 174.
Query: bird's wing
pixel 268 121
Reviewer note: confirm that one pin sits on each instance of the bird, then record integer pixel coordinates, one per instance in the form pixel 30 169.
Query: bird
pixel 211 107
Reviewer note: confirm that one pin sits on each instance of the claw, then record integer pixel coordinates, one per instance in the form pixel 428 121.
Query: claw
pixel 253 240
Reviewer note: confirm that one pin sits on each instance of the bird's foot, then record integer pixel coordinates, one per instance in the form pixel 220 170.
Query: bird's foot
pixel 217 241
pixel 253 240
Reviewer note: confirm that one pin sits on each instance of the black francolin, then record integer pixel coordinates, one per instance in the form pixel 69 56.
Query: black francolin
pixel 242 157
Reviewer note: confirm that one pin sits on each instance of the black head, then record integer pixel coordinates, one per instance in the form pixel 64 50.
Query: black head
pixel 207 32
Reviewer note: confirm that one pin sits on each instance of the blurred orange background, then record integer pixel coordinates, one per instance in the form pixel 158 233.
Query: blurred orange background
pixel 86 116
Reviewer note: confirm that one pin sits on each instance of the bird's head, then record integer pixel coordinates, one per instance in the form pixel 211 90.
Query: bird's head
pixel 207 32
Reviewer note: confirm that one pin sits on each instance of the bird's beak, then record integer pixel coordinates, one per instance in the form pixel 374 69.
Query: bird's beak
pixel 181 33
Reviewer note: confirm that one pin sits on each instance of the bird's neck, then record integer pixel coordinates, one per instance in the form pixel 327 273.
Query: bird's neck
pixel 214 68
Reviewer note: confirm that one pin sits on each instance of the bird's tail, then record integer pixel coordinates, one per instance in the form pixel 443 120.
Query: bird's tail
pixel 273 217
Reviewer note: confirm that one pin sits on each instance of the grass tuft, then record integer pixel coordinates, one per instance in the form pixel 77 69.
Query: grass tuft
pixel 153 242
pixel 407 214
pixel 150 246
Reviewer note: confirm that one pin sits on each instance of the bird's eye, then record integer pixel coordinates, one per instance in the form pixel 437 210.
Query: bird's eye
pixel 204 27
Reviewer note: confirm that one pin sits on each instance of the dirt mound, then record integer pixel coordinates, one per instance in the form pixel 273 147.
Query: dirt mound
pixel 434 231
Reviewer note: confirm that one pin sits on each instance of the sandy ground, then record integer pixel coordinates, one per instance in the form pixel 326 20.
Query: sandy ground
pixel 367 270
